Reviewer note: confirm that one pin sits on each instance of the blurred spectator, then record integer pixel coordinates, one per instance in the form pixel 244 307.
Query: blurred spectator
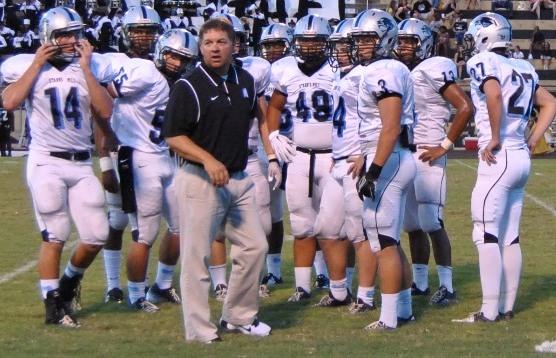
pixel 8 34
pixel 191 8
pixel 449 11
pixel 30 10
pixel 11 14
pixel 502 4
pixel 546 55
pixel 30 39
pixel 403 12
pixel 259 22
pixel 6 128
pixel 545 4
pixel 17 42
pixel 443 44
pixel 392 8
pixel 459 28
pixel 4 48
pixel 422 9
pixel 476 4
pixel 435 24
pixel 518 54
pixel 176 20
pixel 537 40
pixel 459 59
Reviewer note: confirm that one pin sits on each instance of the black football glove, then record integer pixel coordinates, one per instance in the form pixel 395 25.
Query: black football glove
pixel 367 183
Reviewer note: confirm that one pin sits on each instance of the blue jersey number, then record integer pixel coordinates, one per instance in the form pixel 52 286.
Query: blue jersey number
pixel 72 110
pixel 157 121
pixel 339 121
pixel 286 122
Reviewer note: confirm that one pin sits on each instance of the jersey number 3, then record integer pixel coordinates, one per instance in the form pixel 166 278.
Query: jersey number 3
pixel 71 112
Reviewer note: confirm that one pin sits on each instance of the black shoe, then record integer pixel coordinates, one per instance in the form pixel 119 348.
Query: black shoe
pixel 404 321
pixel 70 293
pixel 114 295
pixel 156 295
pixel 271 280
pixel 55 313
pixel 417 292
pixel 443 297
pixel 145 306
pixel 322 282
pixel 475 317
pixel 220 292
pixel 299 295
pixel 505 316
pixel 360 306
pixel 330 301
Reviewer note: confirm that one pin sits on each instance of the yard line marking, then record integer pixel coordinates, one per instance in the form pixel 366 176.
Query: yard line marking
pixel 28 266
pixel 533 198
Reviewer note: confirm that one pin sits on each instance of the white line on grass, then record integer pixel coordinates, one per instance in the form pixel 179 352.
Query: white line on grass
pixel 28 266
pixel 533 198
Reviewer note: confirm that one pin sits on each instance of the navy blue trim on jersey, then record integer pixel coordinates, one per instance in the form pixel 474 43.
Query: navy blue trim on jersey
pixel 481 86
pixel 445 87
pixel 386 95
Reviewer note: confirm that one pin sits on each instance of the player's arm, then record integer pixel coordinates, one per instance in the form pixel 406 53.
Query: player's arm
pixel 14 95
pixel 274 110
pixel 104 145
pixel 493 94
pixel 390 109
pixel 454 95
pixel 274 171
pixel 283 146
pixel 101 102
pixel 547 105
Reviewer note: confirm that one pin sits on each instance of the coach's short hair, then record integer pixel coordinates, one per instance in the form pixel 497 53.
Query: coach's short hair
pixel 219 25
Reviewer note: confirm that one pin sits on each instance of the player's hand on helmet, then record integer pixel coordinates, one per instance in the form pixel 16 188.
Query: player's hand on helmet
pixel 366 185
pixel 431 153
pixel 283 147
pixel 85 50
pixel 44 53
pixel 217 172
pixel 110 181
pixel 357 162
pixel 488 154
pixel 274 173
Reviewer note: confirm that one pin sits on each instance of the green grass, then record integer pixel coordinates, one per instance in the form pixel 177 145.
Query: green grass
pixel 299 330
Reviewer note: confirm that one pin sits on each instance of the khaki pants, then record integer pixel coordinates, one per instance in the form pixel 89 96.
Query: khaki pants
pixel 204 209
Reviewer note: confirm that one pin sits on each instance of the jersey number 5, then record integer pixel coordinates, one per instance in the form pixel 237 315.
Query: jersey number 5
pixel 72 110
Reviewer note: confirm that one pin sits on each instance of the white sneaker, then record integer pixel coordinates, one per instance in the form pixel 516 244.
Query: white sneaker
pixel 257 328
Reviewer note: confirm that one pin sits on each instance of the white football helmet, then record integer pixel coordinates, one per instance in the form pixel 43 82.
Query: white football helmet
pixel 140 29
pixel 179 42
pixel 490 31
pixel 242 38
pixel 379 27
pixel 275 42
pixel 310 39
pixel 339 45
pixel 61 20
pixel 420 33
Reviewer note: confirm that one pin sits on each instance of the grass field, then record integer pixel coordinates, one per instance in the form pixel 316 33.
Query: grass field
pixel 298 329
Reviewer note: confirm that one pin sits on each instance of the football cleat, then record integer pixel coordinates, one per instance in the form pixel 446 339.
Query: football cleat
pixel 474 318
pixel 322 282
pixel 214 340
pixel 360 306
pixel 271 280
pixel 220 292
pixel 378 326
pixel 404 321
pixel 55 313
pixel 70 293
pixel 443 297
pixel 330 301
pixel 505 316
pixel 143 305
pixel 415 291
pixel 114 295
pixel 257 328
pixel 264 291
pixel 156 295
pixel 299 295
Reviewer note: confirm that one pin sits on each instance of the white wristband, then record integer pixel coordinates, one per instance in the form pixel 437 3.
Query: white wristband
pixel 447 144
pixel 106 164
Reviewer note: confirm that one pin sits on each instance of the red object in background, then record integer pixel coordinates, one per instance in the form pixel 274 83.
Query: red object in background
pixel 471 143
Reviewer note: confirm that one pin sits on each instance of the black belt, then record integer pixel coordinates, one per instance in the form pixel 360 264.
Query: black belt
pixel 340 158
pixel 312 156
pixel 78 156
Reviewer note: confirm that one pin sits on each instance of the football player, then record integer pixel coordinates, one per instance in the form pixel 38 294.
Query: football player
pixel 435 88
pixel 503 91
pixel 140 26
pixel 385 108
pixel 260 70
pixel 306 89
pixel 345 152
pixel 60 85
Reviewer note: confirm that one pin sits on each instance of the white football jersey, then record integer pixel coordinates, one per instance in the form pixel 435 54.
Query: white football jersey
pixel 432 112
pixel 58 106
pixel 345 136
pixel 311 101
pixel 380 79
pixel 259 68
pixel 286 122
pixel 139 109
pixel 518 82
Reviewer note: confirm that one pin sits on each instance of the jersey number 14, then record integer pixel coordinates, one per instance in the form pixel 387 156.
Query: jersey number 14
pixel 71 111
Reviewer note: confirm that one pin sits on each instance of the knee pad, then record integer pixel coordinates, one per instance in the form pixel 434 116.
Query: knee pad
pixel 430 217
pixel 117 218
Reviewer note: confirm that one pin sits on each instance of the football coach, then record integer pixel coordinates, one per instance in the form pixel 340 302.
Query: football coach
pixel 207 123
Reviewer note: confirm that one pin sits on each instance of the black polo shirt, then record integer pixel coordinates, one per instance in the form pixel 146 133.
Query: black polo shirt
pixel 215 113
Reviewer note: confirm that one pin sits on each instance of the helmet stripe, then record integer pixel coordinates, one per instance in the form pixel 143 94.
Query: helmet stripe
pixel 339 28
pixel 186 40
pixel 144 12
pixel 310 24
pixel 72 18
pixel 402 25
pixel 358 20
pixel 270 29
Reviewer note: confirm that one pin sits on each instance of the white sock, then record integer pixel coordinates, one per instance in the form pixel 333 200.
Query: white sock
pixel 511 266
pixel 389 309
pixel 405 309
pixel 135 290
pixel 320 264
pixel 366 294
pixel 112 261
pixel 350 271
pixel 303 278
pixel 218 275
pixel 445 277
pixel 421 276
pixel 338 288
pixel 48 285
pixel 72 271
pixel 164 275
pixel 490 265
pixel 274 264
